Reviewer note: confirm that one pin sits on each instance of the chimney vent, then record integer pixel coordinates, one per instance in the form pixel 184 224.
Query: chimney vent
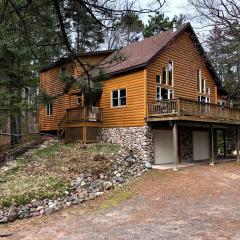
pixel 174 26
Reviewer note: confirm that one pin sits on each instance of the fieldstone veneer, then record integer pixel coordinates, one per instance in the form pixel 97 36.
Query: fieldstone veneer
pixel 138 139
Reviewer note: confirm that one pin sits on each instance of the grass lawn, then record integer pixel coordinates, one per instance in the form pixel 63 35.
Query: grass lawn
pixel 47 173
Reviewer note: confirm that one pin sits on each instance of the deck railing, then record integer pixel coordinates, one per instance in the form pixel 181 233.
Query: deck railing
pixel 185 107
pixel 90 114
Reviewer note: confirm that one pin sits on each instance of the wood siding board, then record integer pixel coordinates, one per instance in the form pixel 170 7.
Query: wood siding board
pixel 186 59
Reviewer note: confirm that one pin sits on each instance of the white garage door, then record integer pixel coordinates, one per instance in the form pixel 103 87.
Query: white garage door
pixel 200 145
pixel 163 146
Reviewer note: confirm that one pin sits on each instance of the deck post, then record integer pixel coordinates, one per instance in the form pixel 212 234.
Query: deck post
pixel 175 147
pixel 224 143
pixel 237 143
pixel 212 148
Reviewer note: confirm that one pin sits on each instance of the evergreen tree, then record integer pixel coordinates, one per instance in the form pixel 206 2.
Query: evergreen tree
pixel 159 23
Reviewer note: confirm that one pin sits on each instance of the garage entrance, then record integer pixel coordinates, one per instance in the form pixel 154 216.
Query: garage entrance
pixel 200 145
pixel 163 146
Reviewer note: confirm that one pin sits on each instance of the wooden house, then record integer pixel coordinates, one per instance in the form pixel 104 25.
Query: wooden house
pixel 163 98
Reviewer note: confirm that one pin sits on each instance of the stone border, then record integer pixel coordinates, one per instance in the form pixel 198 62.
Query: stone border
pixel 125 165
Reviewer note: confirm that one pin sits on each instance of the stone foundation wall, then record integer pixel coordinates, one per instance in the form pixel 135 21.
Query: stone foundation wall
pixel 138 139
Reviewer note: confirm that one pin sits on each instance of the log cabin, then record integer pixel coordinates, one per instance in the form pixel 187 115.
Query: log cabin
pixel 163 98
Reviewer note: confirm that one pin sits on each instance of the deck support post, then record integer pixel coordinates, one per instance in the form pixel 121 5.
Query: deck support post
pixel 212 148
pixel 237 143
pixel 175 147
pixel 224 143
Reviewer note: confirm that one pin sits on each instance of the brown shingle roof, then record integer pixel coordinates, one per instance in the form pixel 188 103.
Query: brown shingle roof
pixel 139 54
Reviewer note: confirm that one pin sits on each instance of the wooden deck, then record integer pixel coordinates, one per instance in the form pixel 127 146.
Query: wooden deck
pixel 184 109
pixel 82 124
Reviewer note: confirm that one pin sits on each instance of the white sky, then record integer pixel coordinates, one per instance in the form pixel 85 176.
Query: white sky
pixel 171 8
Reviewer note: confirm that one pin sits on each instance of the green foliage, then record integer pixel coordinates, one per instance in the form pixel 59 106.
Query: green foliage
pixel 159 23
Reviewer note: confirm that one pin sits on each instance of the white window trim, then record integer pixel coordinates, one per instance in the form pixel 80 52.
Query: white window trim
pixel 166 76
pixel 118 98
pixel 200 80
pixel 172 73
pixel 160 93
pixel 49 109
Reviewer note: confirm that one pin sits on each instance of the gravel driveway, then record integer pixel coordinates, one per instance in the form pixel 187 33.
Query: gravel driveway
pixel 199 202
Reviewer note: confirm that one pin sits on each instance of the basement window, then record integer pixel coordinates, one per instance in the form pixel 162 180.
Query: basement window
pixel 49 109
pixel 119 98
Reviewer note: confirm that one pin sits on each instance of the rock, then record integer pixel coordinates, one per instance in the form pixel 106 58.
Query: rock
pixel 91 196
pixel 81 195
pixel 98 194
pixel 120 180
pixel 39 208
pixel 107 185
pixel 42 212
pixel 148 165
pixel 50 210
pixel 12 217
pixel 4 220
pixel 68 204
pixel 35 214
pixel 83 183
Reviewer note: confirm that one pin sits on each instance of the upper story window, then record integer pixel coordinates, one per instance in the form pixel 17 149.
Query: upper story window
pixel 203 87
pixel 199 77
pixel 49 109
pixel 158 79
pixel 164 76
pixel 62 72
pixel 204 99
pixel 170 73
pixel 164 93
pixel 119 97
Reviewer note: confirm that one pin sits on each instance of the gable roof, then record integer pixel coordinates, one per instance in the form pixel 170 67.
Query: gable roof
pixel 67 59
pixel 140 54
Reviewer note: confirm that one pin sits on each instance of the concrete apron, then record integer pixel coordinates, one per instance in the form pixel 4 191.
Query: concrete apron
pixel 185 164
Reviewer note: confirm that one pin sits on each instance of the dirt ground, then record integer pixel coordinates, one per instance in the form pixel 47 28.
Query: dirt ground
pixel 199 202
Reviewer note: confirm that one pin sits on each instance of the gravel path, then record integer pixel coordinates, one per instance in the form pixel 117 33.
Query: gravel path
pixel 199 202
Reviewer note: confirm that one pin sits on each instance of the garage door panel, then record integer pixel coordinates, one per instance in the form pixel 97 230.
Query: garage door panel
pixel 163 145
pixel 200 145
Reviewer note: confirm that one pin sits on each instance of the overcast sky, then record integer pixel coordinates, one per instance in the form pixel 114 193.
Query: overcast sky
pixel 171 8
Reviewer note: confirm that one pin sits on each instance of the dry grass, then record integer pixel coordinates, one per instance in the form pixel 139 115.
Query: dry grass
pixel 48 172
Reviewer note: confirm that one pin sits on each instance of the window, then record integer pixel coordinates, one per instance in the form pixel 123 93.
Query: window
pixel 158 93
pixel 170 94
pixel 79 101
pixel 204 99
pixel 62 72
pixel 221 102
pixel 203 86
pixel 119 98
pixel 164 93
pixel 170 73
pixel 199 80
pixel 208 91
pixel 158 79
pixel 164 76
pixel 49 109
